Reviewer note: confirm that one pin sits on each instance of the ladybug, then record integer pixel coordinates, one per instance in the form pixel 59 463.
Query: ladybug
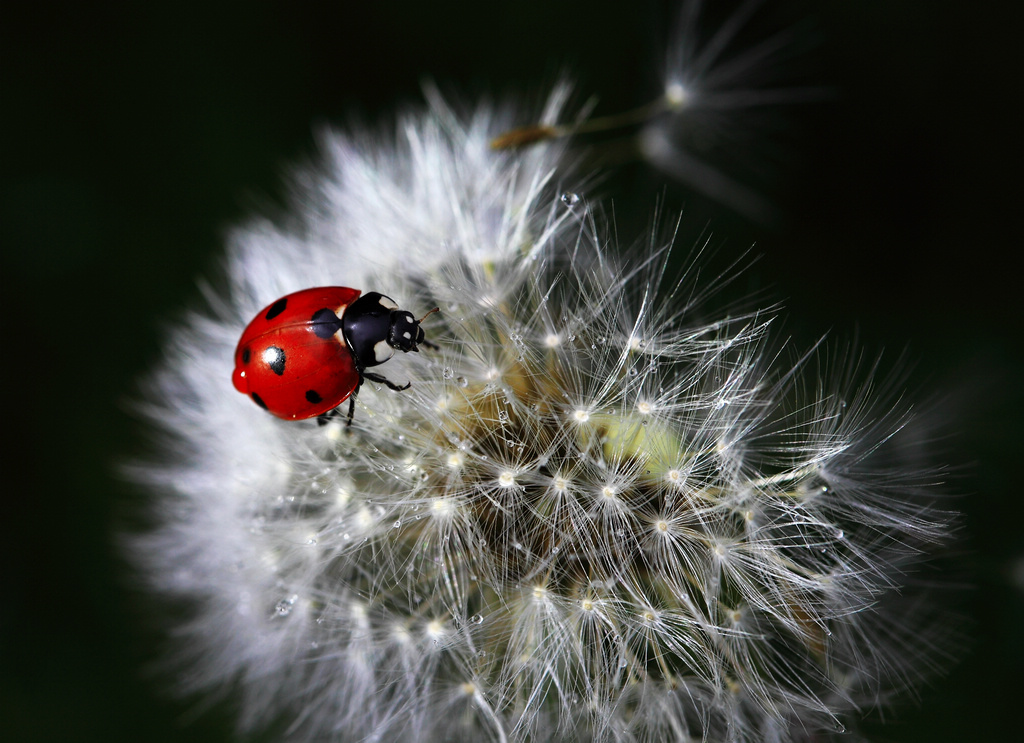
pixel 307 353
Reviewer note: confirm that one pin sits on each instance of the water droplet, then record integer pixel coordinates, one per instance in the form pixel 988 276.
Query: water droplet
pixel 284 607
pixel 570 199
pixel 503 416
pixel 397 524
pixel 622 662
pixel 462 382
pixel 477 619
pixel 448 372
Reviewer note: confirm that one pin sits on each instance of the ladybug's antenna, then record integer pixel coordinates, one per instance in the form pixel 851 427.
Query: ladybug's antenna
pixel 425 343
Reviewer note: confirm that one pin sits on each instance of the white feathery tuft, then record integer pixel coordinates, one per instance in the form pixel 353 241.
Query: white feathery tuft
pixel 590 517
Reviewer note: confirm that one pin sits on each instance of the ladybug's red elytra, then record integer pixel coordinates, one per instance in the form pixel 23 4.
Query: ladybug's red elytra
pixel 307 353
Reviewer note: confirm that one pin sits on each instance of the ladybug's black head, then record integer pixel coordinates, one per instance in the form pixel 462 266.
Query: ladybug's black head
pixel 405 333
pixel 375 328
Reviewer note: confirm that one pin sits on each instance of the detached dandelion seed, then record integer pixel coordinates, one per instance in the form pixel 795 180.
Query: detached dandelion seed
pixel 588 518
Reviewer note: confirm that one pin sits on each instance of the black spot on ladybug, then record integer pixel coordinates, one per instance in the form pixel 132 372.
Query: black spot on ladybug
pixel 246 355
pixel 256 399
pixel 325 323
pixel 313 397
pixel 274 358
pixel 276 308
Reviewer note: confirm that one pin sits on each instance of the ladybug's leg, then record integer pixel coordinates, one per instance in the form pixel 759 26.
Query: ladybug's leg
pixel 324 418
pixel 382 380
pixel 352 401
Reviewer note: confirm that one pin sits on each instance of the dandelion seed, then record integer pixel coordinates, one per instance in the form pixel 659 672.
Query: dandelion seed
pixel 676 94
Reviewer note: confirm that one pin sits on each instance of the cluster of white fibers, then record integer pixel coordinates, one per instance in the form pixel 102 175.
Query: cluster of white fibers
pixel 589 518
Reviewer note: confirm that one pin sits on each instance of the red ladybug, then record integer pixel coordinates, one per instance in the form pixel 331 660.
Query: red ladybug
pixel 307 353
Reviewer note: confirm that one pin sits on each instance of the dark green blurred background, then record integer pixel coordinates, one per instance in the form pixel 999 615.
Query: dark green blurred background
pixel 134 134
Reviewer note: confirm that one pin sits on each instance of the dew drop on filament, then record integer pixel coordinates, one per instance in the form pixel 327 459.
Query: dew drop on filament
pixel 284 607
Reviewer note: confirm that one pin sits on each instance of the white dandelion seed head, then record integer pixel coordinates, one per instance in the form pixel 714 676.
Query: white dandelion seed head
pixel 583 541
